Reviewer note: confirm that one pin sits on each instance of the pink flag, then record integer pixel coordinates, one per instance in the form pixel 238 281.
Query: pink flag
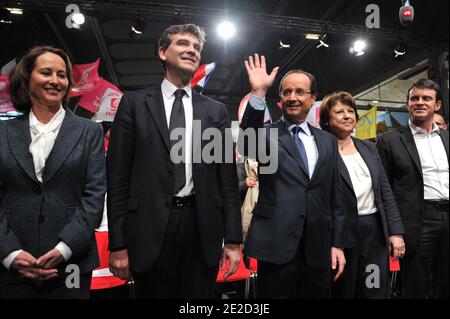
pixel 203 74
pixel 103 100
pixel 85 77
pixel 313 116
pixel 8 67
pixel 5 102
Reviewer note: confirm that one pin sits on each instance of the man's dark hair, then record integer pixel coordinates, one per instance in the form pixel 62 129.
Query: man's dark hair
pixel 312 80
pixel 426 84
pixel 166 37
pixel 20 76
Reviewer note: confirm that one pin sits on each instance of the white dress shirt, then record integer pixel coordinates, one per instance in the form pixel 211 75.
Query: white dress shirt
pixel 43 138
pixel 434 162
pixel 168 89
pixel 259 103
pixel 308 141
pixel 361 182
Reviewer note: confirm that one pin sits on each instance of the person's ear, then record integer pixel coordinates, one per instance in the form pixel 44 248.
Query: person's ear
pixel 437 107
pixel 162 53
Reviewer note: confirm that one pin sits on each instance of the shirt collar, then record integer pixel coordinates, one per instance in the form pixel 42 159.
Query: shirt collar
pixel 304 126
pixel 169 89
pixel 56 119
pixel 417 130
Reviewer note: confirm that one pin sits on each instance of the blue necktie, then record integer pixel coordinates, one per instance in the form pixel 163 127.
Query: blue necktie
pixel 300 146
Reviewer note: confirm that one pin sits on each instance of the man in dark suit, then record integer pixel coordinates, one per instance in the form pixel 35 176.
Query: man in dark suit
pixel 168 220
pixel 297 226
pixel 415 158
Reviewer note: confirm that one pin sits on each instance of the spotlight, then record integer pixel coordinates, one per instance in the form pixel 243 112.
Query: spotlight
pixel 5 16
pixel 322 44
pixel 312 36
pixel 406 13
pixel 138 27
pixel 400 50
pixel 75 19
pixel 15 10
pixel 358 48
pixel 284 46
pixel 285 41
pixel 78 18
pixel 226 30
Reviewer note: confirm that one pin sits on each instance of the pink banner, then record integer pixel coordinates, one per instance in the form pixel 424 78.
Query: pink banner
pixel 103 100
pixel 5 101
pixel 85 77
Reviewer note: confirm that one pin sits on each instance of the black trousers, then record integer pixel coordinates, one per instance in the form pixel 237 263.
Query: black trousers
pixel 424 272
pixel 51 289
pixel 366 273
pixel 181 270
pixel 293 280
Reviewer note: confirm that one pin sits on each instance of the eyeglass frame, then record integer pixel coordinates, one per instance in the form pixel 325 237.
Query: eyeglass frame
pixel 303 93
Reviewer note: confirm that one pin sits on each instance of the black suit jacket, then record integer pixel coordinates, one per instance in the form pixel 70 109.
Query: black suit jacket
pixel 384 199
pixel 401 161
pixel 291 206
pixel 140 180
pixel 67 206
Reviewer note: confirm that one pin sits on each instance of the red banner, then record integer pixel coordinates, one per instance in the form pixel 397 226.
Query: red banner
pixel 5 101
pixel 85 77
pixel 103 100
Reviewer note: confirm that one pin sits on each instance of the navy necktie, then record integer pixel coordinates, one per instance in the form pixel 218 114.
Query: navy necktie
pixel 177 120
pixel 300 146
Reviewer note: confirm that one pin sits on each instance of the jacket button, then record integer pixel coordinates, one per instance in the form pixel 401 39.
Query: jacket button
pixel 170 173
pixel 41 219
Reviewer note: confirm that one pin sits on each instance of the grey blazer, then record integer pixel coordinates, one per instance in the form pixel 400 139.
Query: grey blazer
pixel 66 206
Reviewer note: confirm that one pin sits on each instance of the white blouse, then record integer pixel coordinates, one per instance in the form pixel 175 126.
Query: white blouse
pixel 362 183
pixel 43 138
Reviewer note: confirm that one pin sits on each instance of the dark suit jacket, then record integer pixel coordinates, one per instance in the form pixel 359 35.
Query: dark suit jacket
pixel 401 162
pixel 384 199
pixel 291 206
pixel 140 181
pixel 67 206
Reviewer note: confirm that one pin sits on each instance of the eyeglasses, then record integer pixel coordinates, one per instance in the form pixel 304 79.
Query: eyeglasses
pixel 297 92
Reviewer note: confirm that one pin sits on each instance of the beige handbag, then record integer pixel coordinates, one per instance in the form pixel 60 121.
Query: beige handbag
pixel 251 170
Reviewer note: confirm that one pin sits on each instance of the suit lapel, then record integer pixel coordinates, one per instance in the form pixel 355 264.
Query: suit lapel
pixel 67 138
pixel 408 140
pixel 444 137
pixel 19 140
pixel 155 105
pixel 368 159
pixel 199 113
pixel 198 106
pixel 345 175
pixel 320 149
pixel 287 141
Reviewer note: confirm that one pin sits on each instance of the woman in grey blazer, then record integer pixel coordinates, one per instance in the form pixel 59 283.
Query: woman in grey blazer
pixel 373 223
pixel 52 184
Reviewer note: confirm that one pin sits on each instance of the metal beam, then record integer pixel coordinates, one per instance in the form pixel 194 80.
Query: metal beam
pixel 262 21
pixel 58 35
pixel 304 46
pixel 253 47
pixel 103 49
